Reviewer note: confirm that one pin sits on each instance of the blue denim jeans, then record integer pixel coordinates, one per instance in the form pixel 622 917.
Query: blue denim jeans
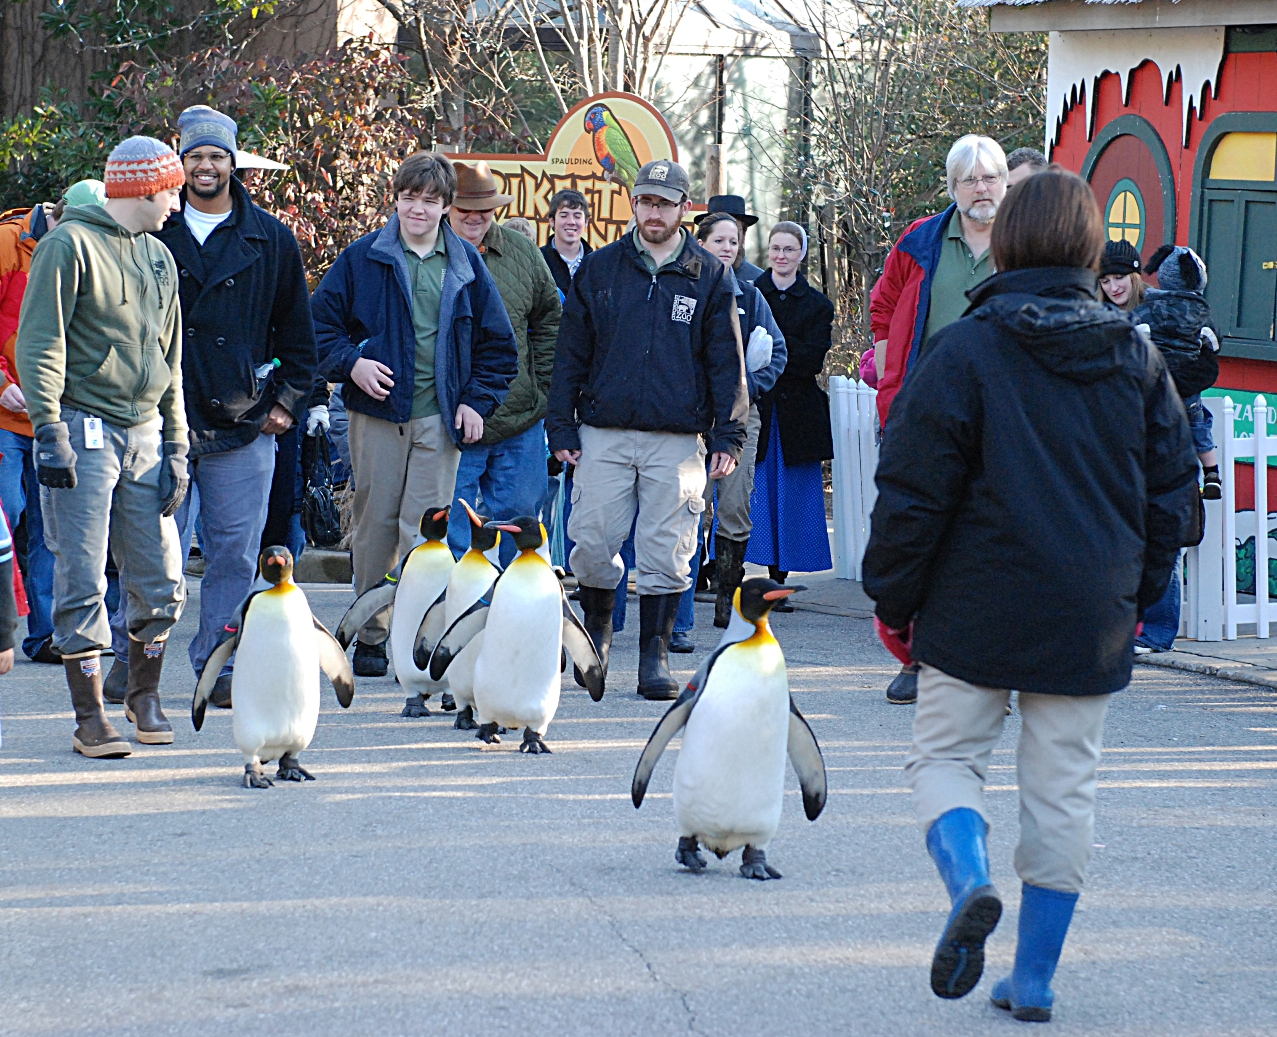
pixel 20 493
pixel 1200 421
pixel 1161 622
pixel 508 476
pixel 686 618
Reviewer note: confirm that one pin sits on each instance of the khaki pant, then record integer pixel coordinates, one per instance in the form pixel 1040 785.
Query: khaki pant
pixel 955 730
pixel 662 474
pixel 734 521
pixel 399 472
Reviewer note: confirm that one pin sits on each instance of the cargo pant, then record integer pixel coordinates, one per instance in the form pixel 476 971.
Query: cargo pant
pixel 955 729
pixel 116 496
pixel 662 475
pixel 732 515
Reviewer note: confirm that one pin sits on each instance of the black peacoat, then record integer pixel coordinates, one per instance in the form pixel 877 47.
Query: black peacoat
pixel 805 317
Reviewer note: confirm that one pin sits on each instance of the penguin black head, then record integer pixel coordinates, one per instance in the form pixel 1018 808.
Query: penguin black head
pixel 434 523
pixel 483 537
pixel 758 594
pixel 276 565
pixel 526 530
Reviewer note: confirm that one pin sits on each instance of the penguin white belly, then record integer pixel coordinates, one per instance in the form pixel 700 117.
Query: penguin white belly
pixel 461 672
pixel 729 779
pixel 516 673
pixel 275 682
pixel 423 579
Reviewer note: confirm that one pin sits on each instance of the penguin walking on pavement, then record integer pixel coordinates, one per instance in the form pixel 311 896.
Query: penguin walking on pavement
pixel 470 581
pixel 417 582
pixel 739 722
pixel 279 649
pixel 526 627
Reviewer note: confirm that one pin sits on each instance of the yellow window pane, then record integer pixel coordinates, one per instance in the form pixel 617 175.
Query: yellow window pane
pixel 1245 156
pixel 1133 235
pixel 1116 234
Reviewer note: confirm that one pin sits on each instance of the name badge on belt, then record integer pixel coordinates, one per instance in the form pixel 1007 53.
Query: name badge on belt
pixel 93 434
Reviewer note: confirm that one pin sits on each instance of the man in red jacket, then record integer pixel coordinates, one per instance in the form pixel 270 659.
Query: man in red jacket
pixel 924 283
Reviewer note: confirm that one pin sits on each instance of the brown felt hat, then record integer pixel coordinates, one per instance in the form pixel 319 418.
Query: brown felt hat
pixel 477 188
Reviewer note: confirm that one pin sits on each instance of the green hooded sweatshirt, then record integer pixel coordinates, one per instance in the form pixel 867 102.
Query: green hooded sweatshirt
pixel 100 326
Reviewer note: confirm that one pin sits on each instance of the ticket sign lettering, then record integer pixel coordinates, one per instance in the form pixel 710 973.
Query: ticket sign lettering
pixel 597 149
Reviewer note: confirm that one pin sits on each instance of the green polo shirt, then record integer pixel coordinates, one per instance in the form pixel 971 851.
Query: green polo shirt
pixel 647 257
pixel 957 272
pixel 426 277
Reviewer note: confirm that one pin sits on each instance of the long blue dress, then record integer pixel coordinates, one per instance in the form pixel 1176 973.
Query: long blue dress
pixel 787 507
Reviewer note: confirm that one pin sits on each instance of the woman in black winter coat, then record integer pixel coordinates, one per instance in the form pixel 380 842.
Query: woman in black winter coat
pixel 1034 489
pixel 788 511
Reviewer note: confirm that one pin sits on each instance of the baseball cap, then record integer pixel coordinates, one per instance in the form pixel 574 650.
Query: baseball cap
pixel 663 178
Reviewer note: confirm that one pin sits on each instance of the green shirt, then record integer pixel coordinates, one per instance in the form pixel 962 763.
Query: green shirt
pixel 956 273
pixel 426 277
pixel 647 257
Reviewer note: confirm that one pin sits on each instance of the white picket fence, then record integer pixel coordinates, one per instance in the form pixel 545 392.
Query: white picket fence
pixel 1211 608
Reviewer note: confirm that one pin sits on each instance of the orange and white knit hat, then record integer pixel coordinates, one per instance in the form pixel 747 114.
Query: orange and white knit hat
pixel 141 166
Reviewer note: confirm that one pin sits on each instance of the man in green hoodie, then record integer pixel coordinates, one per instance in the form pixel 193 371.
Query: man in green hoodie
pixel 99 357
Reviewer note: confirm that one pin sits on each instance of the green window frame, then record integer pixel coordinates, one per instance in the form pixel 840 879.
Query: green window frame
pixel 1118 223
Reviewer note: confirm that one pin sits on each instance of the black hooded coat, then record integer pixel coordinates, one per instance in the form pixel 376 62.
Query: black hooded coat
pixel 1037 478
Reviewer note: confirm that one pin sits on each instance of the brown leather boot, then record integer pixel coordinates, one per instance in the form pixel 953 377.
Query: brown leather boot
pixel 730 562
pixel 142 701
pixel 94 736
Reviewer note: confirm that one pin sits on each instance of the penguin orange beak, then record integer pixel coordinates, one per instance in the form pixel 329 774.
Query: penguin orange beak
pixel 474 517
pixel 440 514
pixel 784 592
pixel 505 528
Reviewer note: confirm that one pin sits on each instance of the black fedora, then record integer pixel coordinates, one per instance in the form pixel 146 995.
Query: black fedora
pixel 732 204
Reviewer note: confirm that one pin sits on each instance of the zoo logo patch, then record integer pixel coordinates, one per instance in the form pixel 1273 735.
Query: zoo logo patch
pixel 684 307
pixel 161 272
pixel 90 667
pixel 658 173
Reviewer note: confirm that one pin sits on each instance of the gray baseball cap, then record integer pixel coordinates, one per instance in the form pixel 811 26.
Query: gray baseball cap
pixel 663 178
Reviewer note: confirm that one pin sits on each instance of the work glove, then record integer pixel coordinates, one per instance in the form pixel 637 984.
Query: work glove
pixel 1209 339
pixel 55 460
pixel 174 478
pixel 898 642
pixel 317 418
pixel 758 354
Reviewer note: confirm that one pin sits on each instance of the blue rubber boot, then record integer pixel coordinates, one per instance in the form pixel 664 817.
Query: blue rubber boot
pixel 956 842
pixel 1045 915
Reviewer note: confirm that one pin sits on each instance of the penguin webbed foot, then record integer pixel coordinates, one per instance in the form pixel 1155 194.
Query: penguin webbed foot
pixel 446 702
pixel 465 720
pixel 488 733
pixel 292 770
pixel 754 865
pixel 254 778
pixel 688 854
pixel 415 707
pixel 533 743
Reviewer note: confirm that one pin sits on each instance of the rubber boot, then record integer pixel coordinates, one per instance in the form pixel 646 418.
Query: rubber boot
pixel 116 685
pixel 142 701
pixel 656 626
pixel 780 576
pixel 1045 915
pixel 956 842
pixel 597 603
pixel 731 570
pixel 94 736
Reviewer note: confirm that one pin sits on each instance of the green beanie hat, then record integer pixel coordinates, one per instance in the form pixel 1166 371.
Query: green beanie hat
pixel 86 192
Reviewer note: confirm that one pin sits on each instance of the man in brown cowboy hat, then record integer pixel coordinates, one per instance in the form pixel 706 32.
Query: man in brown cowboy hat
pixel 507 465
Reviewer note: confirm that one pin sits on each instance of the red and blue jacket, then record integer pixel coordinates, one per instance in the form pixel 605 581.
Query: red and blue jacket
pixel 899 302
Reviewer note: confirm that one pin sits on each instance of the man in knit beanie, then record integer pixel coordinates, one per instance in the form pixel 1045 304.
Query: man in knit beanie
pixel 99 355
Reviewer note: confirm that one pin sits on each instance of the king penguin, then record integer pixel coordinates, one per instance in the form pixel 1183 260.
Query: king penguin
pixel 469 582
pixel 279 649
pixel 738 721
pixel 529 622
pixel 417 582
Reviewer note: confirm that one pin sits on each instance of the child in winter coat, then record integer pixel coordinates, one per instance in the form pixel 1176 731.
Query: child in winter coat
pixel 1177 318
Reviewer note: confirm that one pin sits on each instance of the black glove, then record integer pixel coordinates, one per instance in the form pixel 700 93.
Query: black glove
pixel 174 478
pixel 55 460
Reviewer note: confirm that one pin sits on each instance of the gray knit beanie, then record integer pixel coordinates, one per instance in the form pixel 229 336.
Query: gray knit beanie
pixel 1178 269
pixel 201 124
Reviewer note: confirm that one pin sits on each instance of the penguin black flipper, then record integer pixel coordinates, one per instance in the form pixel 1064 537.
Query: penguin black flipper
pixel 430 631
pixel 219 657
pixel 581 648
pixel 333 661
pixel 372 602
pixel 670 725
pixel 463 629
pixel 804 754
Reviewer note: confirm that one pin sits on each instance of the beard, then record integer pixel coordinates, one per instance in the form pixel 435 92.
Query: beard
pixel 658 235
pixel 208 192
pixel 988 207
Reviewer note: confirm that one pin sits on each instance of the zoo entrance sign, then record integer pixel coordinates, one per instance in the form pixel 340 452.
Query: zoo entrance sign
pixel 597 149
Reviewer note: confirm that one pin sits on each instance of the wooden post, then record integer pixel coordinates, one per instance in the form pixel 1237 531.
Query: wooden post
pixel 713 170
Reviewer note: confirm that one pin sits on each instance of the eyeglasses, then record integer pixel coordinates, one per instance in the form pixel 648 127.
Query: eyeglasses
pixel 659 204
pixel 989 181
pixel 783 250
pixel 216 157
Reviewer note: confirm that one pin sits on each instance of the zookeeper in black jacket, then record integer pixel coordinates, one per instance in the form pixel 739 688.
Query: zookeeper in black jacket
pixel 1037 479
pixel 649 357
pixel 245 306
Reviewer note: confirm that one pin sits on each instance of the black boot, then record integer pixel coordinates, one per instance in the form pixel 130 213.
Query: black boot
pixel 730 555
pixel 370 660
pixel 94 736
pixel 656 625
pixel 142 700
pixel 597 604
pixel 116 684
pixel 780 575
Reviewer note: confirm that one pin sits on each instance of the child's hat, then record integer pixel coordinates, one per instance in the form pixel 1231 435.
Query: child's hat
pixel 1178 269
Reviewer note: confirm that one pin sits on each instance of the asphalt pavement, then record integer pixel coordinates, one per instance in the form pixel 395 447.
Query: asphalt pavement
pixel 425 884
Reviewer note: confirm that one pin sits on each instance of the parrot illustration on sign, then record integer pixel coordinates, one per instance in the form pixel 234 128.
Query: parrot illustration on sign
pixel 611 145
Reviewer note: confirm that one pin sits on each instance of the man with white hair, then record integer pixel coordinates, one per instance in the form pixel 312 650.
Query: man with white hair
pixel 925 281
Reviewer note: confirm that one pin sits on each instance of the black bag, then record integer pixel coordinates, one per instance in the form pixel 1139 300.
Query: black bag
pixel 321 518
